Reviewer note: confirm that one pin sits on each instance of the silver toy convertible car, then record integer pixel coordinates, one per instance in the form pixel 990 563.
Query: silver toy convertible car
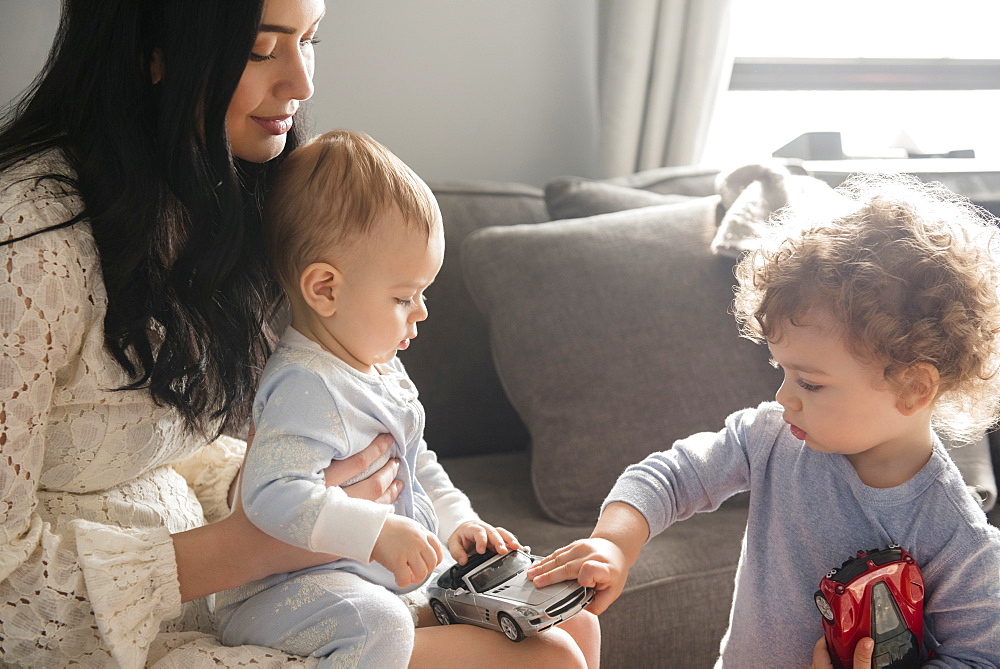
pixel 492 591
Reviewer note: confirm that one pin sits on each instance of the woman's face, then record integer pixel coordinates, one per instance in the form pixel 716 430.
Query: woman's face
pixel 277 78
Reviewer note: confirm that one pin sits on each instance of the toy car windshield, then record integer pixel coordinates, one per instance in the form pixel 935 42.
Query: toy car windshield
pixel 500 571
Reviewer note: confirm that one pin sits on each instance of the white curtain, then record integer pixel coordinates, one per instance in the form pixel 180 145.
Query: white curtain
pixel 661 65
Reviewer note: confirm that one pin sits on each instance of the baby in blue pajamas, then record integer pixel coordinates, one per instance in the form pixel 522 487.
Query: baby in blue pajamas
pixel 356 238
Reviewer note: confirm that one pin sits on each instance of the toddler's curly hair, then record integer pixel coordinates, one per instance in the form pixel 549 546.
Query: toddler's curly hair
pixel 910 271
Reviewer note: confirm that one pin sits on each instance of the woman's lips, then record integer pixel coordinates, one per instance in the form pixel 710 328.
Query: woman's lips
pixel 403 345
pixel 274 125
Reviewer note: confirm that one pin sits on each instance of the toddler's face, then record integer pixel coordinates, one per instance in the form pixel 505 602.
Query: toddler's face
pixel 382 299
pixel 832 401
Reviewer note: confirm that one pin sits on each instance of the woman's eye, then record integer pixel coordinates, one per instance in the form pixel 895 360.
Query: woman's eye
pixel 808 386
pixel 263 49
pixel 403 303
pixel 312 41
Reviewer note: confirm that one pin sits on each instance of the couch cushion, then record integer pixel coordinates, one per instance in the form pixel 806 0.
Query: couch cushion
pixel 752 193
pixel 467 410
pixel 612 338
pixel 575 197
pixel 683 579
pixel 691 180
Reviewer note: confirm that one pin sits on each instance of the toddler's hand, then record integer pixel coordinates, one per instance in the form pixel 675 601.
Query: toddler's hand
pixel 862 655
pixel 475 534
pixel 407 549
pixel 595 563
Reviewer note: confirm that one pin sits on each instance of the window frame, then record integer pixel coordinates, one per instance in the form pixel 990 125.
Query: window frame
pixel 839 74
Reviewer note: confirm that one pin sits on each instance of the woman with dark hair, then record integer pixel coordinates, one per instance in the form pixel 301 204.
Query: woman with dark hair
pixel 134 312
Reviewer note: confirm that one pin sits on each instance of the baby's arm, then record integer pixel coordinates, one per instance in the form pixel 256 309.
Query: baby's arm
pixel 458 523
pixel 602 561
pixel 406 549
pixel 451 505
pixel 284 493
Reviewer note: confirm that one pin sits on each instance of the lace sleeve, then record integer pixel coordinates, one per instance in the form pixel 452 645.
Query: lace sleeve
pixel 101 604
pixel 211 471
pixel 192 649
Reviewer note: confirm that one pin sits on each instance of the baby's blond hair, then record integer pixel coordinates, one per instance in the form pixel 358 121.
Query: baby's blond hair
pixel 910 272
pixel 328 195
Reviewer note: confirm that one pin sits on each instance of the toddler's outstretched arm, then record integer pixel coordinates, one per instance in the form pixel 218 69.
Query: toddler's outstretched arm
pixel 602 561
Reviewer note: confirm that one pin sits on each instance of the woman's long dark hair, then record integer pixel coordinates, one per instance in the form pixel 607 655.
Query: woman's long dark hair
pixel 175 216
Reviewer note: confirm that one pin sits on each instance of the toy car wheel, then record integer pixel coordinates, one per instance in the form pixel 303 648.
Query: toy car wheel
pixel 510 628
pixel 441 613
pixel 823 606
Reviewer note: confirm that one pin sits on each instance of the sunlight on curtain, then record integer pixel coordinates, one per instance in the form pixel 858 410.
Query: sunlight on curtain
pixel 662 64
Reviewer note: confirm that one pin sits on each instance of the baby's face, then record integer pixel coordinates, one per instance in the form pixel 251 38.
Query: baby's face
pixel 382 298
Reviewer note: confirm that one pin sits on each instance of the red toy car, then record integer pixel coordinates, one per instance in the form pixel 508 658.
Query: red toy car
pixel 877 594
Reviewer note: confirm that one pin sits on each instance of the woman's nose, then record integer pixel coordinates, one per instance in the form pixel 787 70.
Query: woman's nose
pixel 297 79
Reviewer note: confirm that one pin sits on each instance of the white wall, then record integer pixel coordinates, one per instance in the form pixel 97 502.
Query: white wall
pixel 477 89
pixel 26 31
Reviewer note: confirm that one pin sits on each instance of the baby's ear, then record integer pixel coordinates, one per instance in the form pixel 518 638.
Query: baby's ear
pixel 920 384
pixel 318 285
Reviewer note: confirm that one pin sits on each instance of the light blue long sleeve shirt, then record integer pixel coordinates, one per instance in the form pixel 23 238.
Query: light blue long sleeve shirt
pixel 808 513
pixel 312 408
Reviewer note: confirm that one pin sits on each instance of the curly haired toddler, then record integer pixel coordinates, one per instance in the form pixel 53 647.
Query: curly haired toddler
pixel 882 311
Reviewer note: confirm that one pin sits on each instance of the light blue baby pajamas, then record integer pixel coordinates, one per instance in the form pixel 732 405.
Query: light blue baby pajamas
pixel 312 408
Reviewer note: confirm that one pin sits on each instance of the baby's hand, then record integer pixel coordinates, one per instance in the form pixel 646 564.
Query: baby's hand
pixel 475 534
pixel 407 549
pixel 595 563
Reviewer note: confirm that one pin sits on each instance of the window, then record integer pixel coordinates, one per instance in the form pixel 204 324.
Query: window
pixel 889 75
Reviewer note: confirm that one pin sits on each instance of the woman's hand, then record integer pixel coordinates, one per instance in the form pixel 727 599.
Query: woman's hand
pixel 381 487
pixel 862 655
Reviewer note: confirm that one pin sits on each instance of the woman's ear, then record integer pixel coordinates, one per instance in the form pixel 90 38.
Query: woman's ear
pixel 318 285
pixel 920 384
pixel 156 66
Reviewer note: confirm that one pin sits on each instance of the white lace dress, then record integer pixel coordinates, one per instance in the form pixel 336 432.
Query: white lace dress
pixel 92 480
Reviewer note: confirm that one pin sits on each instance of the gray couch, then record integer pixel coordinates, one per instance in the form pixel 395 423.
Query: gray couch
pixel 559 351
